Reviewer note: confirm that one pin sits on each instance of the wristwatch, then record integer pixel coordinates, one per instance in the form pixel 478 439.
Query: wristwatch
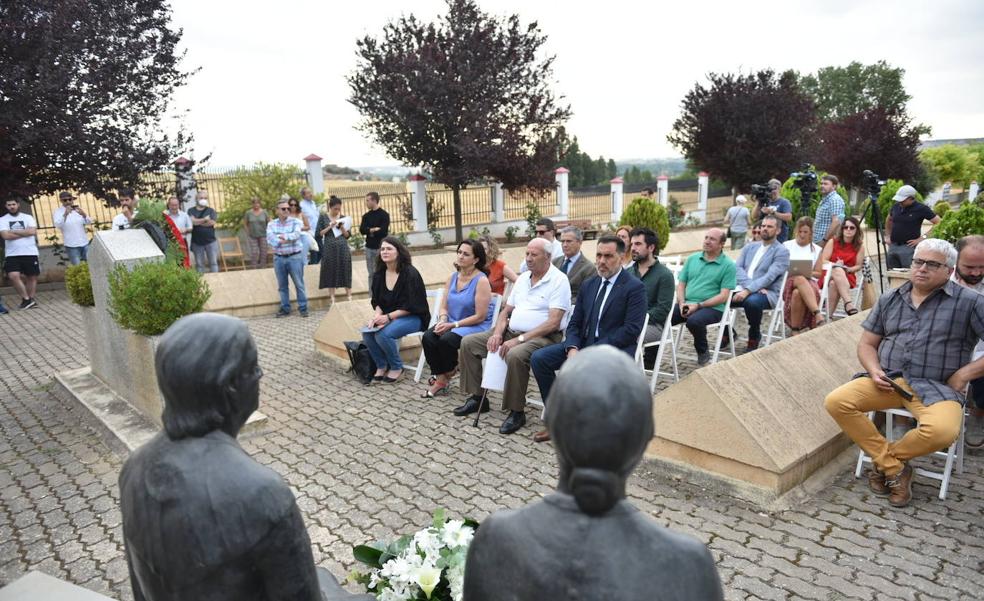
pixel 521 338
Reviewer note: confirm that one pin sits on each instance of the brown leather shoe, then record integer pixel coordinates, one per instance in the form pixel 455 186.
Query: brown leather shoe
pixel 541 436
pixel 900 487
pixel 876 482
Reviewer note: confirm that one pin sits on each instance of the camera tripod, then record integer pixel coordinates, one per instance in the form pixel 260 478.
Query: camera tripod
pixel 876 221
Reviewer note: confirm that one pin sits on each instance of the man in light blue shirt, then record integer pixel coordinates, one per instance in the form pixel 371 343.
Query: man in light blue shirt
pixel 830 213
pixel 283 236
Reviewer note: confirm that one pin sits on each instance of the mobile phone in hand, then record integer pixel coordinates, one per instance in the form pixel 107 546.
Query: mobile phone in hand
pixel 902 391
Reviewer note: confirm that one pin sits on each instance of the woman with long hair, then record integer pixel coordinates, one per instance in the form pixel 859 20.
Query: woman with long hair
pixel 499 271
pixel 845 253
pixel 622 233
pixel 400 303
pixel 465 309
pixel 801 296
pixel 334 230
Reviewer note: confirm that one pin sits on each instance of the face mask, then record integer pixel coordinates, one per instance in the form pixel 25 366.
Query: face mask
pixel 202 202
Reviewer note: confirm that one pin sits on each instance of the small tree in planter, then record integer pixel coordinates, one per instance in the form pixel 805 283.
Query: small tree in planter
pixel 968 219
pixel 942 208
pixel 148 299
pixel 79 285
pixel 644 212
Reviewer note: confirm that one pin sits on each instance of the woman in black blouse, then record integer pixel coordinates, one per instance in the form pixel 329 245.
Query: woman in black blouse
pixel 400 301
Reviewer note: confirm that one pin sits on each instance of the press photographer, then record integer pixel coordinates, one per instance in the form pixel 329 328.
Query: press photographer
pixel 769 202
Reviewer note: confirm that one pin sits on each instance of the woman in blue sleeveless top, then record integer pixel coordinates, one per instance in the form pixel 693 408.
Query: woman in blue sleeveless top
pixel 465 309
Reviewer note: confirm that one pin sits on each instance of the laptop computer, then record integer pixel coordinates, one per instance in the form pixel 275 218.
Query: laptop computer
pixel 803 267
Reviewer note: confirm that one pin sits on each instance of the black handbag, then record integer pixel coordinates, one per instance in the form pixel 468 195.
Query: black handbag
pixel 362 365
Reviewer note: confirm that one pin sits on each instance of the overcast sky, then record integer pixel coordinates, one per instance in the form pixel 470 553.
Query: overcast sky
pixel 272 80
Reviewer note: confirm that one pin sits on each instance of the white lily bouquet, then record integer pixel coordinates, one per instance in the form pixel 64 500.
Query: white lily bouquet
pixel 427 565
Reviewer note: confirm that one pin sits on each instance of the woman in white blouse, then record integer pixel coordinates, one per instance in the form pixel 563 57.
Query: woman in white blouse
pixel 801 296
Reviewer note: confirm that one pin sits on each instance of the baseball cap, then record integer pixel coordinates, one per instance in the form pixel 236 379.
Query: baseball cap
pixel 903 193
pixel 740 199
pixel 65 196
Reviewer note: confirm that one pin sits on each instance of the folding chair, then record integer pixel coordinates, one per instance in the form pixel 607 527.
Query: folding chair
pixel 953 454
pixel 728 317
pixel 437 295
pixel 667 339
pixel 855 292
pixel 229 248
pixel 777 323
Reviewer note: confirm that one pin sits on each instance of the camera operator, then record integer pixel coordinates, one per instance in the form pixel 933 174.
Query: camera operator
pixel 903 228
pixel 775 205
pixel 830 212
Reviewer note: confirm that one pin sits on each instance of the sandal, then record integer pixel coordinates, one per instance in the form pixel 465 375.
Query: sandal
pixel 444 390
pixel 819 318
pixel 852 311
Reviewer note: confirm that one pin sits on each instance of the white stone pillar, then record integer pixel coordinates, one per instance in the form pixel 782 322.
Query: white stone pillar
pixel 418 191
pixel 973 191
pixel 562 198
pixel 315 176
pixel 617 199
pixel 185 185
pixel 701 212
pixel 663 190
pixel 498 203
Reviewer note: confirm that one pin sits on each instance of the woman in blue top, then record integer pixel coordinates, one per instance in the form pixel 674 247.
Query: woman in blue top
pixel 465 309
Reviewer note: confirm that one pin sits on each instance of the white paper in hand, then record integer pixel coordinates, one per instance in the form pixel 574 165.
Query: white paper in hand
pixel 494 376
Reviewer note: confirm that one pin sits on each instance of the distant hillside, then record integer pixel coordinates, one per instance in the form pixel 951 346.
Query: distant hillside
pixel 958 141
pixel 667 166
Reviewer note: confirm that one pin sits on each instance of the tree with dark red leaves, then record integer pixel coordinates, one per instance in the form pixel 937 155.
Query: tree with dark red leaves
pixel 745 129
pixel 84 88
pixel 467 97
pixel 876 139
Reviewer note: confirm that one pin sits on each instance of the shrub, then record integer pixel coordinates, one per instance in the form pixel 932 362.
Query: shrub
pixel 941 208
pixel 356 241
pixel 644 212
pixel 511 233
pixel 794 196
pixel 676 214
pixel 267 181
pixel 150 298
pixel 79 284
pixel 968 219
pixel 533 214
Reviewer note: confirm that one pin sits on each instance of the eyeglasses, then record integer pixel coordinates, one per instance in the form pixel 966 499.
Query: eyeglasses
pixel 849 228
pixel 283 208
pixel 929 265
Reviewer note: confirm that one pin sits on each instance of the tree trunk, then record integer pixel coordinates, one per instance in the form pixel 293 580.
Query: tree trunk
pixel 458 229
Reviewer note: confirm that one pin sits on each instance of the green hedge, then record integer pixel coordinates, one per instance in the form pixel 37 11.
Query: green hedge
pixel 645 212
pixel 967 220
pixel 942 208
pixel 150 298
pixel 79 284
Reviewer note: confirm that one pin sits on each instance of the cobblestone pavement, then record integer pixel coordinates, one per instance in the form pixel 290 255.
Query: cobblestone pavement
pixel 370 462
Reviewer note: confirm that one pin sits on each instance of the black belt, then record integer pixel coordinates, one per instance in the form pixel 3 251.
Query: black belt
pixel 290 255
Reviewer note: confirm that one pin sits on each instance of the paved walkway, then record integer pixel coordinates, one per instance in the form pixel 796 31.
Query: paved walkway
pixel 369 462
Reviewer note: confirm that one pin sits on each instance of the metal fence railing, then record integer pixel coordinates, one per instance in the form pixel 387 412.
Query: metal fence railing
pixel 591 204
pixel 515 203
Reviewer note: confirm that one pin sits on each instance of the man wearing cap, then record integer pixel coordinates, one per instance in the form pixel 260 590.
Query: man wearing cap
pixel 71 220
pixel 778 206
pixel 903 228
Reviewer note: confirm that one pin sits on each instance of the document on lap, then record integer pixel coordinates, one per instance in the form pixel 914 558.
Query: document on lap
pixel 494 374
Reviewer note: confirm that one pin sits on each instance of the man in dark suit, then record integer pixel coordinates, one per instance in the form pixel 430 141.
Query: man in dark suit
pixel 610 309
pixel 573 264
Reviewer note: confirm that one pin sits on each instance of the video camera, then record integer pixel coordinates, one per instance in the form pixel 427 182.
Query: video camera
pixel 762 193
pixel 872 183
pixel 806 182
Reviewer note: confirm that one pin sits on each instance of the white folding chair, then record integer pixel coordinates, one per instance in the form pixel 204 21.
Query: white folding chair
pixel 437 295
pixel 855 292
pixel 727 319
pixel 776 329
pixel 667 339
pixel 954 454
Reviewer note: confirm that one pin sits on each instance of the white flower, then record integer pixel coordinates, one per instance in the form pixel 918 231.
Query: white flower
pixel 427 578
pixel 456 579
pixel 429 543
pixel 392 595
pixel 456 534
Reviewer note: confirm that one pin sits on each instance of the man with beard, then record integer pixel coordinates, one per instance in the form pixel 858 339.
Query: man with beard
pixel 969 273
pixel 655 276
pixel 760 269
pixel 19 231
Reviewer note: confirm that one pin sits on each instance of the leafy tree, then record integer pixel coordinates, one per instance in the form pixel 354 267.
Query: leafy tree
pixel 466 97
pixel 952 163
pixel 84 89
pixel 746 128
pixel 266 181
pixel 840 92
pixel 611 171
pixel 968 219
pixel 870 139
pixel 645 212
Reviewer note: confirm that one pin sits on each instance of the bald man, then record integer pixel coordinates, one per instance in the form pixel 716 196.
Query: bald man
pixel 702 290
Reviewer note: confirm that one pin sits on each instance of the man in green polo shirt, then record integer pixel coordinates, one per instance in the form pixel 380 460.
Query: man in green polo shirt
pixel 704 284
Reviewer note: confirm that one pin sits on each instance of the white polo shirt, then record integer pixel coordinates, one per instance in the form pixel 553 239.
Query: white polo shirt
pixel 72 227
pixel 19 247
pixel 532 304
pixel 120 222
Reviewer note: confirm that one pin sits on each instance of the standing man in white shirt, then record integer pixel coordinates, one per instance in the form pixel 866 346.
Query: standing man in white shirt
pixel 71 220
pixel 181 219
pixel 311 210
pixel 19 231
pixel 127 213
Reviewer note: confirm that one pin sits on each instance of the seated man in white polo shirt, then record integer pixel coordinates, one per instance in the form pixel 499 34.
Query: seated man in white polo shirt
pixel 531 318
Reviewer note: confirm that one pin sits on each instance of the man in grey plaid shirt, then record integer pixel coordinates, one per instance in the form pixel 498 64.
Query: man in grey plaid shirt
pixel 916 349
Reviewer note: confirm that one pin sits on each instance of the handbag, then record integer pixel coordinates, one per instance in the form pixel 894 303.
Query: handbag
pixel 362 365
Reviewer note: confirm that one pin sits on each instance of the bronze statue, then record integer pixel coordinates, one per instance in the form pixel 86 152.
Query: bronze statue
pixel 203 521
pixel 586 541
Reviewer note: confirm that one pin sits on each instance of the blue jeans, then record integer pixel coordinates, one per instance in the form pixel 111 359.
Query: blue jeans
pixel 753 305
pixel 76 254
pixel 697 323
pixel 293 266
pixel 384 345
pixel 544 364
pixel 206 255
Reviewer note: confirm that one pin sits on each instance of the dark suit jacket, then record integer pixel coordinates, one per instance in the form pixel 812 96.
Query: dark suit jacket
pixel 580 272
pixel 621 317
